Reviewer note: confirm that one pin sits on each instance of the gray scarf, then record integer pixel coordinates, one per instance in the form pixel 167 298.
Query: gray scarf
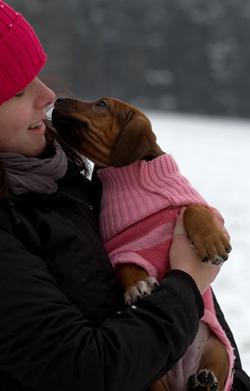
pixel 31 174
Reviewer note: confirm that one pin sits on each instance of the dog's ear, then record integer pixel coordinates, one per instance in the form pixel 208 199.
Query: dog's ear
pixel 135 141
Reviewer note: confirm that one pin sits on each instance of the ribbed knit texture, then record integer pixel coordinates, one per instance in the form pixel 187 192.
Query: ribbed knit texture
pixel 21 53
pixel 141 189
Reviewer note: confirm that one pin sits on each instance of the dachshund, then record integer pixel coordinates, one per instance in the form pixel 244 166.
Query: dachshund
pixel 115 136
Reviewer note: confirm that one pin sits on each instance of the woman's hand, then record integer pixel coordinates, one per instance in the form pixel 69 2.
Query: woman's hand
pixel 183 257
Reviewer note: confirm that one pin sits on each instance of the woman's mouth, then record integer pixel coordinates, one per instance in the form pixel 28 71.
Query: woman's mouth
pixel 37 126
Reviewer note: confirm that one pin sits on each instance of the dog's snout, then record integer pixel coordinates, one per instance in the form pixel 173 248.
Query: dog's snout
pixel 65 105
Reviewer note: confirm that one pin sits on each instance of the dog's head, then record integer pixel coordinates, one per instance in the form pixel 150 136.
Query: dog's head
pixel 107 131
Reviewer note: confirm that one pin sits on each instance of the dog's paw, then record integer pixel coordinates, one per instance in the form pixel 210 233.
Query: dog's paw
pixel 141 289
pixel 213 248
pixel 204 380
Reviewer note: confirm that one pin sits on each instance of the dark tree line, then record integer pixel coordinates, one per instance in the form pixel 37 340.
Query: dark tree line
pixel 178 55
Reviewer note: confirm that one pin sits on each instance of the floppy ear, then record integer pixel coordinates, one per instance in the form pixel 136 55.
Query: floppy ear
pixel 135 141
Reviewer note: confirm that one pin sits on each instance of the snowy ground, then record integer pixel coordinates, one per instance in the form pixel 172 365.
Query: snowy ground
pixel 214 154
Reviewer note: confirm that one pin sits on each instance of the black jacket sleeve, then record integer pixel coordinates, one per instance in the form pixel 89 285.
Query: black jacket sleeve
pixel 47 344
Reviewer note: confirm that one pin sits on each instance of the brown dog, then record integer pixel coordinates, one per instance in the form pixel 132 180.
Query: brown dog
pixel 113 133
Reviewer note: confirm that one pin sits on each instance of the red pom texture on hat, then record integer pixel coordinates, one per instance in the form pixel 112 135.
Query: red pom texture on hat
pixel 21 54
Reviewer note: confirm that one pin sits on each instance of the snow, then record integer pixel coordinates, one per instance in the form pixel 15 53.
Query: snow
pixel 214 154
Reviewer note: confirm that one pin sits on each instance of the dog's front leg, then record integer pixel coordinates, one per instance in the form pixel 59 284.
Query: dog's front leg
pixel 135 281
pixel 208 236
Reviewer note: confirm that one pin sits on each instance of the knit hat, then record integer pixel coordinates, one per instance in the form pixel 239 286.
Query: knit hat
pixel 21 53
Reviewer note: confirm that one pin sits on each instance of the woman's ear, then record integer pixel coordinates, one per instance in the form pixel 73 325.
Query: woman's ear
pixel 135 141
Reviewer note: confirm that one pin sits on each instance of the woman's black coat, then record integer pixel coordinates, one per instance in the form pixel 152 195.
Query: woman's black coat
pixel 63 326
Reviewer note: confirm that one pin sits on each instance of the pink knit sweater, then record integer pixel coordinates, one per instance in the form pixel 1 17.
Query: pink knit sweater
pixel 139 207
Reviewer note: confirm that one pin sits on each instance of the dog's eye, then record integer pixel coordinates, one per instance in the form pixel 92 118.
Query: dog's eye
pixel 101 103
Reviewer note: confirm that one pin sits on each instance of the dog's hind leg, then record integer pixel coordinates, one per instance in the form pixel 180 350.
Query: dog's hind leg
pixel 213 370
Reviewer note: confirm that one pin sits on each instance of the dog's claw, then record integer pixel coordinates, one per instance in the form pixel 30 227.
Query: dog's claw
pixel 205 260
pixel 204 380
pixel 141 289
pixel 216 260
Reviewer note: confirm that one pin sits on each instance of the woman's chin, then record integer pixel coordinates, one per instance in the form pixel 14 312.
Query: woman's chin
pixel 42 147
pixel 37 148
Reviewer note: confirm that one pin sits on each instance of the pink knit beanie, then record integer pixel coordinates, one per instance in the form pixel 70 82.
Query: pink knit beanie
pixel 21 53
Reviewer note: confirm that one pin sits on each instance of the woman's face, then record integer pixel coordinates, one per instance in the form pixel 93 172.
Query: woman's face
pixel 22 128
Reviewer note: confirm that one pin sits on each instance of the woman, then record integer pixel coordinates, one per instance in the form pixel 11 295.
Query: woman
pixel 63 325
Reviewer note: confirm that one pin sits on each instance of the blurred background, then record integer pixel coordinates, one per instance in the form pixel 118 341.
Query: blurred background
pixel 189 56
pixel 187 64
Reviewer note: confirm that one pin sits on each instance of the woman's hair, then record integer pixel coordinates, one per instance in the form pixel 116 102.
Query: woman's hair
pixel 51 135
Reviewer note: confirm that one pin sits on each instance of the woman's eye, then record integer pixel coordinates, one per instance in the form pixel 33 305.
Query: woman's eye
pixel 19 94
pixel 101 103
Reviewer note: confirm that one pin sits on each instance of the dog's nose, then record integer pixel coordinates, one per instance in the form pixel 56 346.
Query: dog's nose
pixel 60 99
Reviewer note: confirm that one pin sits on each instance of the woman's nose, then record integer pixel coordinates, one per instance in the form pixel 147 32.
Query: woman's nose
pixel 46 96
